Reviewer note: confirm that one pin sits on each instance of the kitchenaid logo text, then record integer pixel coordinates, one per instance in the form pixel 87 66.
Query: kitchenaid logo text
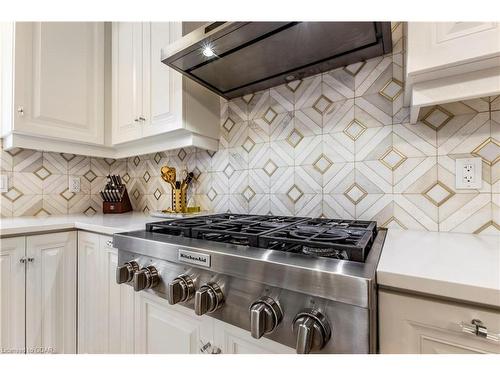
pixel 194 258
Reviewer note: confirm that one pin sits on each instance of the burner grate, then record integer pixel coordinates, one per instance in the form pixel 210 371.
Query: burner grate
pixel 332 238
pixel 340 239
pixel 183 227
pixel 249 228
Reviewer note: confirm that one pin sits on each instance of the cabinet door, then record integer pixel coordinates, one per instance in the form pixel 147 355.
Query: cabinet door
pixel 90 333
pixel 117 304
pixel 164 329
pixel 51 293
pixel 127 81
pixel 12 273
pixel 414 325
pixel 234 340
pixel 59 80
pixel 162 85
pixel 434 45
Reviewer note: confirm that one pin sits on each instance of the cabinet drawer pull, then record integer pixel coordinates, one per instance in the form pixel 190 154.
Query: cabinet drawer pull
pixel 142 118
pixel 209 349
pixel 477 328
pixel 109 243
pixel 22 260
pixel 30 260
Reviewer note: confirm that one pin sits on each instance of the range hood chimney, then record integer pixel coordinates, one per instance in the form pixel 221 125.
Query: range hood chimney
pixel 237 58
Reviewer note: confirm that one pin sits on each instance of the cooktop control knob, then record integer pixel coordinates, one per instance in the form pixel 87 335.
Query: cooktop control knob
pixel 125 273
pixel 146 278
pixel 265 315
pixel 312 329
pixel 208 299
pixel 181 289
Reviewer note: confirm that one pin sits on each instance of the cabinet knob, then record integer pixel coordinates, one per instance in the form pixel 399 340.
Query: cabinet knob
pixel 22 260
pixel 477 328
pixel 136 120
pixel 20 110
pixel 209 349
pixel 142 118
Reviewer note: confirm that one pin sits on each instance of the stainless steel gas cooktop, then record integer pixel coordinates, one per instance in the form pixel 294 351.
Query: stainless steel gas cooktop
pixel 308 283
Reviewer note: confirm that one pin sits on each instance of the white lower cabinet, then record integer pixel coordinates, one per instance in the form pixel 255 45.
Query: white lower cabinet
pixel 89 332
pixel 12 296
pixel 118 304
pixel 51 293
pixel 39 293
pixel 59 295
pixel 410 324
pixel 164 329
pixel 105 309
pixel 234 340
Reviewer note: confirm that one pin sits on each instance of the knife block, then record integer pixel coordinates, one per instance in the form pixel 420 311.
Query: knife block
pixel 117 207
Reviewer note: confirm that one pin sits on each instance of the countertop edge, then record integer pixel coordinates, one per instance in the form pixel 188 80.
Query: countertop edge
pixel 75 223
pixel 473 294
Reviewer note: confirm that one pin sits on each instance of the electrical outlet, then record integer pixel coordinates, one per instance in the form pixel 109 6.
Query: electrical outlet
pixel 4 183
pixel 74 184
pixel 468 173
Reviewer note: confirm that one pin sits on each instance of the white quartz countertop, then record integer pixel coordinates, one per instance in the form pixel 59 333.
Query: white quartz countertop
pixel 458 266
pixel 452 265
pixel 105 224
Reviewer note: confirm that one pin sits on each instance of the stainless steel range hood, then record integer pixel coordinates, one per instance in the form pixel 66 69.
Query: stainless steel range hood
pixel 250 56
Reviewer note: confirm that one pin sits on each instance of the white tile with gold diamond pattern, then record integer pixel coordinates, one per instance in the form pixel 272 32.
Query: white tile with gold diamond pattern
pixel 336 144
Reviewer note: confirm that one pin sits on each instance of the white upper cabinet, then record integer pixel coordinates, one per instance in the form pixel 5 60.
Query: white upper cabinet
pixel 162 85
pixel 59 80
pixel 151 99
pixel 127 81
pixel 451 61
pixel 99 89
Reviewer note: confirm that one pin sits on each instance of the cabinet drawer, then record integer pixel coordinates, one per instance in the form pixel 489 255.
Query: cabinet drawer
pixel 410 324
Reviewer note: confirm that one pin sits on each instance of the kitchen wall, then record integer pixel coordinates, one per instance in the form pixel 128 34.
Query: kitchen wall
pixel 338 144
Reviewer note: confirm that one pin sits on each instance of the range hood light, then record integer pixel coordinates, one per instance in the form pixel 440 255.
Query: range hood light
pixel 208 51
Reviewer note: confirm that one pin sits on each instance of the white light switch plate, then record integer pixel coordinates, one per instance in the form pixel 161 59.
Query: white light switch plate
pixel 4 183
pixel 468 173
pixel 74 184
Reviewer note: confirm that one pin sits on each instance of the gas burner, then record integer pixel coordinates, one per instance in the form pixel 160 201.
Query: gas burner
pixel 226 238
pixel 305 233
pixel 271 225
pixel 322 252
pixel 191 223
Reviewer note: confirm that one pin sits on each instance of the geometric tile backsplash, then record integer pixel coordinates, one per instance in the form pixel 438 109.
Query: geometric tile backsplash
pixel 337 144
